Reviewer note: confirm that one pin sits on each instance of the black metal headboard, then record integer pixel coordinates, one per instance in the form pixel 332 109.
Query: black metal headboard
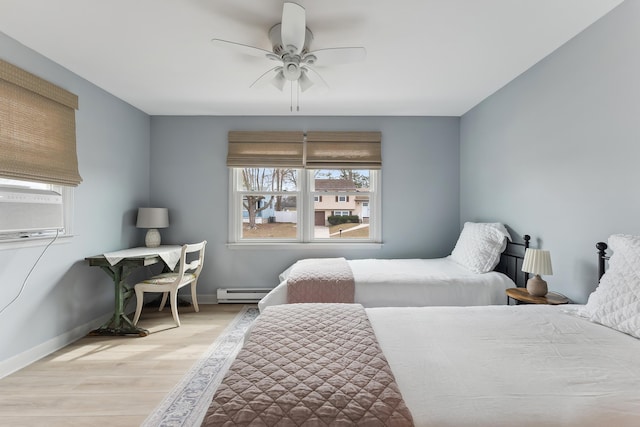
pixel 602 258
pixel 511 261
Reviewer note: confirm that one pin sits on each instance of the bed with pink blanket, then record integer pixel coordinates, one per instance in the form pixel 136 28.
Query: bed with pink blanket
pixel 490 366
pixel 481 267
pixel 525 365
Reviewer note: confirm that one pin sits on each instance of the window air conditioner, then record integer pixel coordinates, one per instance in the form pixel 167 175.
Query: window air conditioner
pixel 25 211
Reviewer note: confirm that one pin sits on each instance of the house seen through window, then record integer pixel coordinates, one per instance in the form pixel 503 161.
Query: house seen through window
pixel 304 205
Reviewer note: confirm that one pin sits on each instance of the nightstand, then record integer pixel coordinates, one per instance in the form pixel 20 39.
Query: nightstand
pixel 520 295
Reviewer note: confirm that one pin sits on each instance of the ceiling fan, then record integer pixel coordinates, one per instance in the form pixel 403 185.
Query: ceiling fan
pixel 290 40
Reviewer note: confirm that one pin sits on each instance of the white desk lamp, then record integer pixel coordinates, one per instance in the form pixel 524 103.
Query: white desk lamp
pixel 537 262
pixel 152 219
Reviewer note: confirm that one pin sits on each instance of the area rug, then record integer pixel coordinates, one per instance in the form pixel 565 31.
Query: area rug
pixel 187 404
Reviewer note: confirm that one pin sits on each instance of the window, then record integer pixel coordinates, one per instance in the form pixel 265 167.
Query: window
pixel 38 160
pixel 304 187
pixel 297 205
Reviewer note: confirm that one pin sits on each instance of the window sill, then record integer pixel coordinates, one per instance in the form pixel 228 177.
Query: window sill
pixel 28 242
pixel 303 246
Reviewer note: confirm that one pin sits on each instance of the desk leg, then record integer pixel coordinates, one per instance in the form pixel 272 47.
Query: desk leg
pixel 119 324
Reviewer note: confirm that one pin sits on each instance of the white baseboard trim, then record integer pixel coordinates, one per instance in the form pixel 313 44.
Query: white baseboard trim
pixel 202 299
pixel 19 361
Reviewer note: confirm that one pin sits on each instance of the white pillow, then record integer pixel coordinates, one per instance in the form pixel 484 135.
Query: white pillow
pixel 479 246
pixel 616 301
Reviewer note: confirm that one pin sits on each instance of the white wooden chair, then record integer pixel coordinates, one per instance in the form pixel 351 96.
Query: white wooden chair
pixel 169 283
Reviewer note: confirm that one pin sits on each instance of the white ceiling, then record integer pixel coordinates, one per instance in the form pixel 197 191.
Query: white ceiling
pixel 424 57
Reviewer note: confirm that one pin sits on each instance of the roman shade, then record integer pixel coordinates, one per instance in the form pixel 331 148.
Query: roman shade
pixel 343 150
pixel 316 149
pixel 265 148
pixel 37 129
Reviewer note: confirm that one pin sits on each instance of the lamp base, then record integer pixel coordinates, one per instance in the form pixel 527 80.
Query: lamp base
pixel 536 286
pixel 152 239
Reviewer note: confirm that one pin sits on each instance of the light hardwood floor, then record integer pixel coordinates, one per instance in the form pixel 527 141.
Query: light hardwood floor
pixel 112 381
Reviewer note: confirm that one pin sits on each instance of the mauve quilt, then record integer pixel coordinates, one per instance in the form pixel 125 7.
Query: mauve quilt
pixel 312 365
pixel 327 280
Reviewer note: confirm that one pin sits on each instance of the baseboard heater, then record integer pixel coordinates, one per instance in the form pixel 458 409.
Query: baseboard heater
pixel 241 295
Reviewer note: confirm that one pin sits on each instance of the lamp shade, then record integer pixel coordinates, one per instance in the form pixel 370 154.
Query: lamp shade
pixel 153 218
pixel 537 261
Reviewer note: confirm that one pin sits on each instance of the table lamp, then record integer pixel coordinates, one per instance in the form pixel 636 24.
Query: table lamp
pixel 152 219
pixel 537 262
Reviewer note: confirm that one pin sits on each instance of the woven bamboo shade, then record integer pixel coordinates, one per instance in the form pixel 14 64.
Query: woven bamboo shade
pixel 339 150
pixel 37 129
pixel 265 148
pixel 344 150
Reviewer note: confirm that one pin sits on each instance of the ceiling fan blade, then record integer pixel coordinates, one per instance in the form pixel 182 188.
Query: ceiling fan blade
pixel 304 81
pixel 306 69
pixel 246 49
pixel 293 27
pixel 335 56
pixel 266 77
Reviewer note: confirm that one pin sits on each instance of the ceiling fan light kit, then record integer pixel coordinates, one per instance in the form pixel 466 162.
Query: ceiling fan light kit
pixel 290 40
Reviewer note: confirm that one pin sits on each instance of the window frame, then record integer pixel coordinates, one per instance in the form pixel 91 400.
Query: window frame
pixel 305 199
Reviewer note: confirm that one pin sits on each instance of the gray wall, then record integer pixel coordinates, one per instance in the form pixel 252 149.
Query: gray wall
pixel 555 153
pixel 420 181
pixel 63 295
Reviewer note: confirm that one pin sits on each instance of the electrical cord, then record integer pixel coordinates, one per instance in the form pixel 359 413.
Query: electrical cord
pixel 24 282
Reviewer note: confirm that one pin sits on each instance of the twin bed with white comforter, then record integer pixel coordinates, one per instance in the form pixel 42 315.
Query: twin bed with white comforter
pixel 464 278
pixel 414 282
pixel 526 365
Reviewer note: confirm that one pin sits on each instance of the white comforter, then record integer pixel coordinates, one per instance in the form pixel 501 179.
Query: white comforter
pixel 414 283
pixel 510 366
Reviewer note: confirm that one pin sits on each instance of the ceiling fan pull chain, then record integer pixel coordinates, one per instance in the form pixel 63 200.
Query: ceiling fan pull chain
pixel 291 95
pixel 298 96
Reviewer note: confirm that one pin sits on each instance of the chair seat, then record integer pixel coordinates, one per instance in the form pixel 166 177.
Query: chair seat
pixel 167 278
